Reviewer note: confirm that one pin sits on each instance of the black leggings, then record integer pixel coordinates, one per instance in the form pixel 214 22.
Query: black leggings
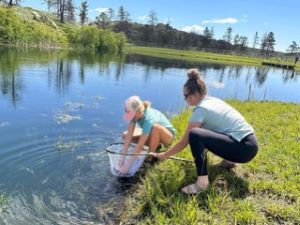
pixel 221 145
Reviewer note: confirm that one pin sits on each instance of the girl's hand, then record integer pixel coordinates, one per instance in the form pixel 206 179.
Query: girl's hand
pixel 121 160
pixel 123 169
pixel 161 155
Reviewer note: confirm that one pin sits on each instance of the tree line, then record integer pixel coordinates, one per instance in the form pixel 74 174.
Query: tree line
pixel 163 34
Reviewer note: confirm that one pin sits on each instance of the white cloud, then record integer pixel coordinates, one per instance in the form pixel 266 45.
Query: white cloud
pixel 221 21
pixel 169 20
pixel 100 10
pixel 245 16
pixel 193 29
pixel 143 19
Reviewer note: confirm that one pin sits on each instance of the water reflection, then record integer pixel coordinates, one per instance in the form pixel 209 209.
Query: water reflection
pixel 62 67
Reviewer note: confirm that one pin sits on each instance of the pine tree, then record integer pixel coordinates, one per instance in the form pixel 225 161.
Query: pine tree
pixel 206 33
pixel 152 16
pixel 236 40
pixel 83 12
pixel 212 33
pixel 61 8
pixel 243 41
pixel 293 47
pixel 228 35
pixel 121 14
pixel 270 42
pixel 70 11
pixel 111 14
pixel 263 44
pixel 255 40
pixel 10 3
pixel 102 20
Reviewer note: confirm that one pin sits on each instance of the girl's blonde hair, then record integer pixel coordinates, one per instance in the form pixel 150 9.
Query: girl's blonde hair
pixel 146 104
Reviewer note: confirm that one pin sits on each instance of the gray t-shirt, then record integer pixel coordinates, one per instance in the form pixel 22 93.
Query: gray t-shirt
pixel 216 115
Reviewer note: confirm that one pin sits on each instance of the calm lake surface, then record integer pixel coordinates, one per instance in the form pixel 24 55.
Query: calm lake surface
pixel 59 110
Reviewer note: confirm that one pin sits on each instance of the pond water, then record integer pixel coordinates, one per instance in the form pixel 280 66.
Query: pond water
pixel 59 110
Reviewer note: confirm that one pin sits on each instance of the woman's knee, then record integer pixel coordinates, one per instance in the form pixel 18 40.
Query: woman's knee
pixel 195 134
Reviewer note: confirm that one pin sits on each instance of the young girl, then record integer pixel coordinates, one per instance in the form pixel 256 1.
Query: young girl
pixel 155 128
pixel 215 126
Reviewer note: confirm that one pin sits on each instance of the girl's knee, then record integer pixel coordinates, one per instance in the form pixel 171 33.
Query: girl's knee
pixel 156 127
pixel 124 134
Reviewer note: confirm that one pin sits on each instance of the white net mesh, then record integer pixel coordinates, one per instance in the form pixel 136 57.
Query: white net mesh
pixel 114 158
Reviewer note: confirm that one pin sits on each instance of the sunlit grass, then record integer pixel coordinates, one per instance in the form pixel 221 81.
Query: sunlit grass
pixel 202 56
pixel 264 191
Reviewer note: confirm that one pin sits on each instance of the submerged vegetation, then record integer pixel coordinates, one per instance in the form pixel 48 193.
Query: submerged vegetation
pixel 2 202
pixel 264 191
pixel 29 28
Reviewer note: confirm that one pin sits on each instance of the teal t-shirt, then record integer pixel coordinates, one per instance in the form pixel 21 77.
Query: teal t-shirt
pixel 153 116
pixel 216 115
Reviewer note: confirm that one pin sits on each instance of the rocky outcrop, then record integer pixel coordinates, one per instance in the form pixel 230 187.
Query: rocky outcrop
pixel 44 19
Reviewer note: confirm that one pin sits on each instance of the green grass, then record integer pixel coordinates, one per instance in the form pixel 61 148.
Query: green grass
pixel 201 56
pixel 264 191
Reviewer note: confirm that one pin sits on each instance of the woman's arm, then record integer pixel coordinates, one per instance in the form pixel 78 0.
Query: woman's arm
pixel 179 145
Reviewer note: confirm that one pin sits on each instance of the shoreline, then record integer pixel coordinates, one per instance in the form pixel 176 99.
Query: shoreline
pixel 197 56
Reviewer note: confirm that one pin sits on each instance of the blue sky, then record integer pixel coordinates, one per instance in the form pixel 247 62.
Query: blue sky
pixel 244 16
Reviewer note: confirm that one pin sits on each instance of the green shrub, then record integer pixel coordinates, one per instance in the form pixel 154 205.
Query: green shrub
pixel 31 33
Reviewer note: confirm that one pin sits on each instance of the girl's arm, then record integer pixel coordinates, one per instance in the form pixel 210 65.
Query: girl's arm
pixel 129 135
pixel 138 148
pixel 179 145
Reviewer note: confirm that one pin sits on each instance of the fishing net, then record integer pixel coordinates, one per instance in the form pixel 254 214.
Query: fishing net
pixel 115 152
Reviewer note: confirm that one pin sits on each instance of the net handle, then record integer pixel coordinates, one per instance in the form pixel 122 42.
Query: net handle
pixel 145 154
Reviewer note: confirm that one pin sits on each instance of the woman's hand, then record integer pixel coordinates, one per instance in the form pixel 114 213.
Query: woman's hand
pixel 161 155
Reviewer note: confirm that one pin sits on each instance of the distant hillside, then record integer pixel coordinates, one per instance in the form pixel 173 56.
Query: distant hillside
pixel 167 36
pixel 27 27
pixel 164 35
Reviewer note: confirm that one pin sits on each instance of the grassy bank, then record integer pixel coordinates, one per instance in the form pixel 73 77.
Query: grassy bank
pixel 26 27
pixel 200 56
pixel 264 191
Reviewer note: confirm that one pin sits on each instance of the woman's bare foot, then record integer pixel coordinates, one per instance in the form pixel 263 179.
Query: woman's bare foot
pixel 194 188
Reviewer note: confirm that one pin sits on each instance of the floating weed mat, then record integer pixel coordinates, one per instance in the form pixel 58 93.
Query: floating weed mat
pixel 115 152
pixel 65 118
pixel 62 145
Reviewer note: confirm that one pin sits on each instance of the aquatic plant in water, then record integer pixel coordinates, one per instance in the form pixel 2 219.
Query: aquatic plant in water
pixel 2 202
pixel 65 118
pixel 62 145
pixel 74 106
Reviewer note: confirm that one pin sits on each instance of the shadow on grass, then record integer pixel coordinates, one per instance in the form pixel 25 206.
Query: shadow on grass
pixel 229 182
